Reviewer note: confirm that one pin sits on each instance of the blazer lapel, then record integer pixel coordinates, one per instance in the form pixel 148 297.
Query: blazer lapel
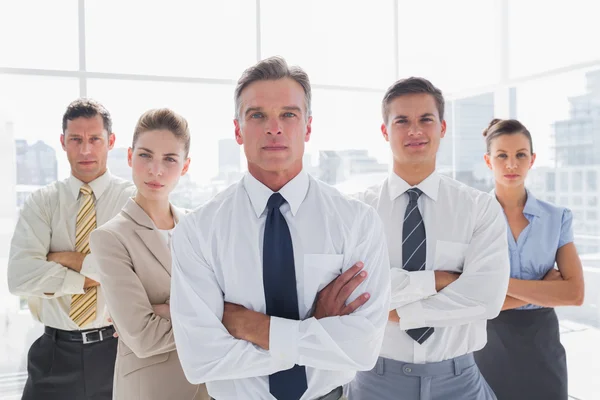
pixel 157 246
pixel 149 234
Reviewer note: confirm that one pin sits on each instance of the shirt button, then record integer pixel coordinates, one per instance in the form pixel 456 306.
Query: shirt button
pixel 407 370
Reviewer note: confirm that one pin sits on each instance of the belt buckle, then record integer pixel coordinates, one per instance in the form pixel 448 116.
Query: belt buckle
pixel 84 335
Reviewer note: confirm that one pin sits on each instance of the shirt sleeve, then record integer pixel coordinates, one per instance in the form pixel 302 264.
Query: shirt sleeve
pixel 479 292
pixel 410 286
pixel 29 271
pixel 206 349
pixel 566 228
pixel 351 342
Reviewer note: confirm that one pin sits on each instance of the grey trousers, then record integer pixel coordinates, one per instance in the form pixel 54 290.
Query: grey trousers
pixel 456 379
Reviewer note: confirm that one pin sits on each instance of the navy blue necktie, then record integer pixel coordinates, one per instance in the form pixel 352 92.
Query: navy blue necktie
pixel 414 250
pixel 281 297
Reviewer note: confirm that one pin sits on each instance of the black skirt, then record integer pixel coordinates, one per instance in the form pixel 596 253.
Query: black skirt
pixel 523 358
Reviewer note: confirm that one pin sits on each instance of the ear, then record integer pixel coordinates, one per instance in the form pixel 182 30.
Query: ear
pixel 533 157
pixel 111 141
pixel 384 132
pixel 443 128
pixel 488 160
pixel 186 166
pixel 129 156
pixel 308 129
pixel 238 132
pixel 62 142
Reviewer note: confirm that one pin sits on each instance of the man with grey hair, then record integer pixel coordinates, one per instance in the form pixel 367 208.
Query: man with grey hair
pixel 263 295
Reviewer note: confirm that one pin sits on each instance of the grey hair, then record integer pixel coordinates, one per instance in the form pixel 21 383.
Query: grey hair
pixel 273 68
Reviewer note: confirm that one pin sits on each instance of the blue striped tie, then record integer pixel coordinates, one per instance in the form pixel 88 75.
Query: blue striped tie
pixel 414 250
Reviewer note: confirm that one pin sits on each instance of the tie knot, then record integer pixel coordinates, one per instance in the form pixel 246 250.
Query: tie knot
pixel 86 190
pixel 414 194
pixel 275 201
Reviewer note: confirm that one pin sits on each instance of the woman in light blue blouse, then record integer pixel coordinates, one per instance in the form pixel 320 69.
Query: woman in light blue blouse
pixel 523 358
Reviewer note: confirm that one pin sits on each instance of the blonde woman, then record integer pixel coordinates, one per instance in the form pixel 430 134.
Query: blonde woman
pixel 134 259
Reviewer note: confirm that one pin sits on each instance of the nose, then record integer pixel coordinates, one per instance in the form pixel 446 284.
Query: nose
pixel 86 147
pixel 155 168
pixel 273 127
pixel 414 130
pixel 511 163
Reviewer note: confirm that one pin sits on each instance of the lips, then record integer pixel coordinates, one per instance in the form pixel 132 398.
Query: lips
pixel 87 162
pixel 511 176
pixel 274 147
pixel 154 185
pixel 415 144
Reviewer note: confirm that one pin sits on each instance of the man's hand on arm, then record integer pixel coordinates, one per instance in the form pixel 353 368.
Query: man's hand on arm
pixel 70 259
pixel 331 300
pixel 253 326
pixel 88 283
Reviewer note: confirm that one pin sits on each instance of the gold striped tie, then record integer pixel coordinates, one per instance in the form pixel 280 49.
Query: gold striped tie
pixel 83 306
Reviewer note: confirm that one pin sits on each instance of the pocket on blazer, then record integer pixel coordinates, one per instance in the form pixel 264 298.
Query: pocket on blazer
pixel 319 271
pixel 450 256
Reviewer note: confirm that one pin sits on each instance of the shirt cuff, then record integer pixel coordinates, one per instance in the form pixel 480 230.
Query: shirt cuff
pixel 88 268
pixel 73 283
pixel 425 280
pixel 411 316
pixel 421 285
pixel 283 339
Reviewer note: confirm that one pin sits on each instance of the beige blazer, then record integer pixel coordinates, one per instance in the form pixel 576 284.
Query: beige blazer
pixel 134 264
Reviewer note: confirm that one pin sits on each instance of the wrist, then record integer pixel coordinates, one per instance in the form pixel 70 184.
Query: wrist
pixel 259 331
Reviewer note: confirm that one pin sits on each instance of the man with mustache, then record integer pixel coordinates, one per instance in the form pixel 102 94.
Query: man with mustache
pixel 50 263
pixel 449 258
pixel 263 295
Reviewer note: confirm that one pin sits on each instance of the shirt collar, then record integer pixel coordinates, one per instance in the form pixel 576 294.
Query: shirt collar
pixel 293 192
pixel 532 205
pixel 430 186
pixel 98 185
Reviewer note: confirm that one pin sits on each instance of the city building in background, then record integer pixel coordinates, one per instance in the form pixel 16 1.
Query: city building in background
pixel 338 166
pixel 117 163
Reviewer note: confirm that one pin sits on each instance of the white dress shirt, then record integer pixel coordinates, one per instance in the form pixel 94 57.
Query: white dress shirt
pixel 466 233
pixel 47 224
pixel 217 257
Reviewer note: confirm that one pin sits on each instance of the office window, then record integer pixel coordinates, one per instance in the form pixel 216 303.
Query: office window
pixel 560 47
pixel 564 181
pixel 550 181
pixel 471 38
pixel 358 51
pixel 214 40
pixel 32 39
pixel 577 181
pixel 591 181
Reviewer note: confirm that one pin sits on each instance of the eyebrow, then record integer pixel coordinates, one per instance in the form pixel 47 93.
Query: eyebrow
pixel 166 154
pixel 78 135
pixel 504 151
pixel 250 110
pixel 422 116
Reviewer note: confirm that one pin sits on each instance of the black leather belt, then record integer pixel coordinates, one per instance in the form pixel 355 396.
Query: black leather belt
pixel 86 337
